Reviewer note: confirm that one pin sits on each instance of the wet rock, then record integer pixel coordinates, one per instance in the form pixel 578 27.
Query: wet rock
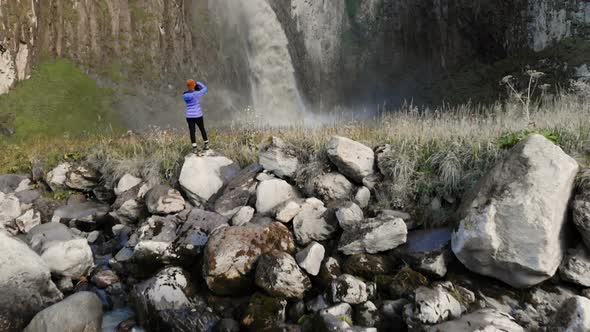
pixel 275 157
pixel 367 266
pixel 427 251
pixel 277 273
pixel 575 267
pixel 264 313
pixel 349 216
pixel 287 211
pixel 164 200
pixel 202 177
pixel 348 289
pixel 79 312
pixel 66 254
pixel 105 278
pixel 353 159
pixel 25 284
pixel 87 216
pixel 238 192
pixel 82 177
pixel 231 253
pixel 366 314
pixel 243 216
pixel 333 187
pixel 28 220
pixel 375 235
pixel 481 320
pixel 362 197
pixel 56 178
pixel 532 185
pixel 271 193
pixel 310 225
pixel 574 315
pixel 310 258
pixel 433 306
pixel 126 182
pixel 12 183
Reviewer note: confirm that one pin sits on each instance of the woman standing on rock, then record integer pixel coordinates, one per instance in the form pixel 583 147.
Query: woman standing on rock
pixel 194 113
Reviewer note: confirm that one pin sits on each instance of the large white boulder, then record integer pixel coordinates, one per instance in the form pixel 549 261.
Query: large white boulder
pixel 202 177
pixel 271 193
pixel 353 159
pixel 512 223
pixel 81 311
pixel 25 284
pixel 66 254
pixel 275 157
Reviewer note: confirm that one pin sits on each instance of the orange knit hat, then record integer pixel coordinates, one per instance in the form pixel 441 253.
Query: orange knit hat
pixel 191 84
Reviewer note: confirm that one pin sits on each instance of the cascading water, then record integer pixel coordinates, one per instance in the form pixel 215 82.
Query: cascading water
pixel 274 92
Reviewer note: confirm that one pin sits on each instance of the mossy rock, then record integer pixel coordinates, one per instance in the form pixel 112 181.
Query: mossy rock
pixel 405 282
pixel 264 313
pixel 366 266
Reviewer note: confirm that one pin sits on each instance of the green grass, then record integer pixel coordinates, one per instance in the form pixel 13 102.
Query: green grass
pixel 58 101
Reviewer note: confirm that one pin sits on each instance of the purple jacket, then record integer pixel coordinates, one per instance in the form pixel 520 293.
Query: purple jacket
pixel 193 101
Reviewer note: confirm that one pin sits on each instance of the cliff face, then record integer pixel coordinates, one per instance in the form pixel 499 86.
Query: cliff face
pixel 339 52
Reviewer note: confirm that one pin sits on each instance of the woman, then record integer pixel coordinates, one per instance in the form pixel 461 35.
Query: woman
pixel 194 113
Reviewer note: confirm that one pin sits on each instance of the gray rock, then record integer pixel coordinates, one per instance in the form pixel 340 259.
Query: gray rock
pixel 243 216
pixel 433 306
pixel 271 193
pixel 11 183
pixel 65 285
pixel 238 192
pixel 194 234
pixel 105 278
pixel 154 240
pixel 28 220
pixel 310 258
pixel 275 157
pixel 286 211
pixel 333 187
pixel 66 254
pixel 79 312
pixel 228 325
pixel 348 289
pixel 532 186
pixel 581 217
pixel 9 209
pixel 329 271
pixel 264 313
pixel 231 253
pixel 125 183
pixel 27 196
pixel 330 323
pixel 82 177
pixel 376 235
pixel 316 304
pixel 56 178
pixel 427 251
pixel 483 320
pixel 129 207
pixel 574 315
pixel 25 284
pixel 367 266
pixel 163 200
pixel 363 197
pixel 277 273
pixel 264 176
pixel 350 216
pixel 310 224
pixel 366 314
pixel 353 159
pixel 86 215
pixel 203 177
pixel 339 310
pixel 575 267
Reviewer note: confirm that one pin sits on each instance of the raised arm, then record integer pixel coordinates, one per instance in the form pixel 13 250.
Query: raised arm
pixel 202 88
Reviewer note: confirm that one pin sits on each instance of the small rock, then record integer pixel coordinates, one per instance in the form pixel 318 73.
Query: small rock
pixel 87 216
pixel 348 289
pixel 484 320
pixel 126 182
pixel 105 278
pixel 362 197
pixel 57 177
pixel 92 236
pixel 405 282
pixel 264 177
pixel 353 159
pixel 433 306
pixel 310 224
pixel 574 315
pixel 316 304
pixel 350 216
pixel 275 157
pixel 575 267
pixel 329 271
pixel 366 314
pixel 243 216
pixel 310 258
pixel 164 200
pixel 81 311
pixel 264 313
pixel 329 323
pixel 278 274
pixel 12 183
pixel 82 178
pixel 238 192
pixel 427 251
pixel 376 235
pixel 367 266
pixel 28 220
pixel 581 216
pixel 9 209
pixel 333 187
pixel 271 193
pixel 287 211
pixel 339 310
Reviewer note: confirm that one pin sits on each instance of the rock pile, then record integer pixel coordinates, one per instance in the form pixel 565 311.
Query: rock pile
pixel 231 249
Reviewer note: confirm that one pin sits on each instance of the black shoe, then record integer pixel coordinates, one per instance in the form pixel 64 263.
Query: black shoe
pixel 206 146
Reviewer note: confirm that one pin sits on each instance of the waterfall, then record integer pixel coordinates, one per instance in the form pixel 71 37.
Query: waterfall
pixel 274 92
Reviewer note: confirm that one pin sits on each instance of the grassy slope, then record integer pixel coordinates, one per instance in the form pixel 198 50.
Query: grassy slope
pixel 59 100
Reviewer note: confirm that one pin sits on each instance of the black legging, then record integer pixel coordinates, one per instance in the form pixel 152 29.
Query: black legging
pixel 191 127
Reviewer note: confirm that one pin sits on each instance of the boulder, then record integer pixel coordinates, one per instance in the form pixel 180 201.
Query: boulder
pixel 310 259
pixel 367 266
pixel 231 253
pixel 163 200
pixel 333 187
pixel 28 220
pixel 10 209
pixel 25 284
pixel 243 216
pixel 79 312
pixel 512 223
pixel 277 274
pixel 152 241
pixel 194 234
pixel 575 267
pixel 482 320
pixel 275 157
pixel 349 216
pixel 574 315
pixel 65 253
pixel 125 183
pixel 271 193
pixel 264 313
pixel 27 196
pixel 202 177
pixel 427 251
pixel 366 314
pixel 56 178
pixel 362 197
pixel 348 289
pixel 129 207
pixel 288 210
pixel 86 215
pixel 353 159
pixel 375 235
pixel 433 306
pixel 238 192
pixel 311 225
pixel 82 177
pixel 11 183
